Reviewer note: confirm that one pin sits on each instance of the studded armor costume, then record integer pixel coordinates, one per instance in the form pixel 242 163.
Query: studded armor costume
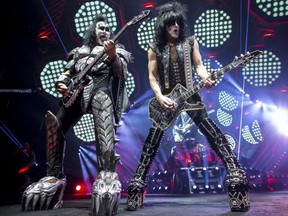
pixel 173 69
pixel 105 98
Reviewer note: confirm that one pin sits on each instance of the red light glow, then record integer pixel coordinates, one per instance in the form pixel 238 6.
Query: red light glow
pixel 149 4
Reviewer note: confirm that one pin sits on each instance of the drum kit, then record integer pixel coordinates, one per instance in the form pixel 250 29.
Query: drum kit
pixel 193 153
pixel 187 151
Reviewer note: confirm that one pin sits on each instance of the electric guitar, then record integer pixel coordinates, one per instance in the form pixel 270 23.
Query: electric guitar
pixel 79 81
pixel 163 119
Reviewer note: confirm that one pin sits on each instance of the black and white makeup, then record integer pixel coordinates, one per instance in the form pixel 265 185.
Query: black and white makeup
pixel 102 31
pixel 173 31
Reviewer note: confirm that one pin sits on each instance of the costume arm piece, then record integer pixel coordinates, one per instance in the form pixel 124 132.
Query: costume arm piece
pixel 118 87
pixel 119 63
pixel 69 68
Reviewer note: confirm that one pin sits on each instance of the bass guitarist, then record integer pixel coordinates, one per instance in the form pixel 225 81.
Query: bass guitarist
pixel 104 96
pixel 173 57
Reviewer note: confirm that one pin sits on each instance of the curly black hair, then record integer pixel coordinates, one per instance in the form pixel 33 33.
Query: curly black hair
pixel 167 14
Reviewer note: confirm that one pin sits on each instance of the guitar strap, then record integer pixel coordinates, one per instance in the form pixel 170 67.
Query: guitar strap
pixel 166 67
pixel 187 64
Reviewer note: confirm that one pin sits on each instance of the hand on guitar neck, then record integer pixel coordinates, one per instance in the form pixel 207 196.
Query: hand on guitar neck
pixel 210 81
pixel 63 89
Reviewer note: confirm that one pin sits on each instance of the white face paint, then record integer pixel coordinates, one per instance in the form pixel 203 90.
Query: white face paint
pixel 102 31
pixel 173 32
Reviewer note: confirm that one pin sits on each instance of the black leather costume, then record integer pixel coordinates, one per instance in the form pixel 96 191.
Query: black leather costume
pixel 171 72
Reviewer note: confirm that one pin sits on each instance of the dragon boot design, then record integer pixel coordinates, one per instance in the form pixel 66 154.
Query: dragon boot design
pixel 48 192
pixel 106 187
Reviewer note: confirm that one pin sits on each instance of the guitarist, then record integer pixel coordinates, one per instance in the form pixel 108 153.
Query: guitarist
pixel 105 98
pixel 172 58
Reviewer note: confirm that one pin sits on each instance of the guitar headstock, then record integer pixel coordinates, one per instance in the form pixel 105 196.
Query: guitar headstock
pixel 243 60
pixel 138 18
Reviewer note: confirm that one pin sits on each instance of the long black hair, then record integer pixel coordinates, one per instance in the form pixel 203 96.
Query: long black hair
pixel 167 14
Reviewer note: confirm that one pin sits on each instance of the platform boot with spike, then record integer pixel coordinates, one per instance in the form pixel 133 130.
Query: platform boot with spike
pixel 48 192
pixel 107 188
pixel 237 184
pixel 138 183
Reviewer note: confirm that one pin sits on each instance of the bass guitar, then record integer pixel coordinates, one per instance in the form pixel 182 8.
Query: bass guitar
pixel 163 119
pixel 77 83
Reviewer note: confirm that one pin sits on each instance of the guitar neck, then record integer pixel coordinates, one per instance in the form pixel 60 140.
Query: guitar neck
pixel 224 70
pixel 198 86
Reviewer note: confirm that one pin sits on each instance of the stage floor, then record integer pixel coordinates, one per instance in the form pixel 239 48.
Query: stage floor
pixel 262 204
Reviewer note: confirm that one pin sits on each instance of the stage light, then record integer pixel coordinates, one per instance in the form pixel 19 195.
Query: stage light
pixel 213 28
pixel 256 130
pixel 194 173
pixel 206 189
pixel 204 172
pixel 231 141
pixel 227 101
pixel 268 33
pixel 145 33
pixel 218 188
pixel 79 188
pixel 50 74
pixel 130 84
pixel 84 129
pixel 87 12
pixel 44 36
pixel 254 134
pixel 195 189
pixel 216 172
pixel 263 72
pixel 280 119
pixel 224 117
pixel 273 8
pixel 148 5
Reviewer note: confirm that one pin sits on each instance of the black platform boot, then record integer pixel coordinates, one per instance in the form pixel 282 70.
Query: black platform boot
pixel 135 197
pixel 238 197
pixel 138 183
pixel 238 187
